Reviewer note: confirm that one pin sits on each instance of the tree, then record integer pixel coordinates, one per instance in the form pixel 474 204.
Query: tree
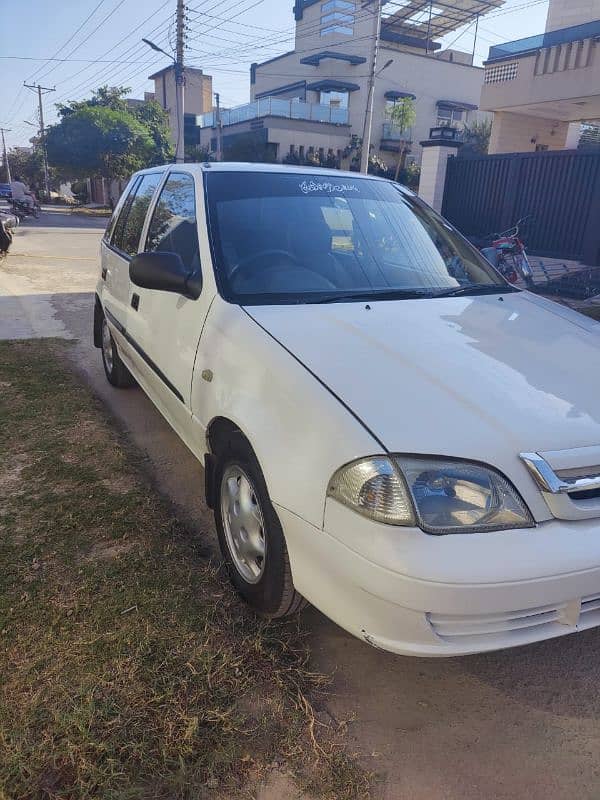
pixel 108 136
pixel 100 141
pixel 402 115
pixel 476 138
pixel 153 116
pixel 27 163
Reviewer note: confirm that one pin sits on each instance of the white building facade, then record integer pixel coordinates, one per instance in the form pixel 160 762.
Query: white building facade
pixel 542 88
pixel 314 97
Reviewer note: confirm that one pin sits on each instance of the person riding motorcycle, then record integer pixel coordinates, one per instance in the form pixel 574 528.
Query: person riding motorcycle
pixel 21 193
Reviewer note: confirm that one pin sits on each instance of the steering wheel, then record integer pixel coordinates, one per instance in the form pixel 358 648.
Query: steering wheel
pixel 249 264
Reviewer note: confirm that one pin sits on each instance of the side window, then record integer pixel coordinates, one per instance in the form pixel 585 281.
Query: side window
pixel 114 233
pixel 173 228
pixel 136 214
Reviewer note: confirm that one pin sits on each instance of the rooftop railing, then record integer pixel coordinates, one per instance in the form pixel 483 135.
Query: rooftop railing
pixel 551 39
pixel 274 107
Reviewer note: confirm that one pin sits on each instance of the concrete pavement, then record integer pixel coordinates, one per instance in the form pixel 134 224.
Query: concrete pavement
pixel 515 724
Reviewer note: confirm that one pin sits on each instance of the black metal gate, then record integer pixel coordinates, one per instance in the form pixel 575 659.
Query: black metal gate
pixel 561 190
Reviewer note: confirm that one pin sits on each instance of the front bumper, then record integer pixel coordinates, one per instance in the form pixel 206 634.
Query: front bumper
pixel 413 594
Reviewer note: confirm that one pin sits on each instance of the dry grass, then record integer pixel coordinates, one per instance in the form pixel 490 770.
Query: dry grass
pixel 91 212
pixel 128 669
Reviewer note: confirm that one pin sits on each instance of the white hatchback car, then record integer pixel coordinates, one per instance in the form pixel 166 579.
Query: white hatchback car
pixel 388 428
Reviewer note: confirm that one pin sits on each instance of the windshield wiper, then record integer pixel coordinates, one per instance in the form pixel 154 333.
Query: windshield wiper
pixel 386 294
pixel 477 288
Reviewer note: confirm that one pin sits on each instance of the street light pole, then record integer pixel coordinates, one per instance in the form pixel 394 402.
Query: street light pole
pixel 5 154
pixel 368 126
pixel 219 129
pixel 180 82
pixel 179 79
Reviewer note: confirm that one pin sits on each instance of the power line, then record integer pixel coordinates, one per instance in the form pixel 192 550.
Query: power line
pixel 73 60
pixel 89 36
pixel 69 40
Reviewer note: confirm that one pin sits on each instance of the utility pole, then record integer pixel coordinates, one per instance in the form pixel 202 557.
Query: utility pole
pixel 180 82
pixel 475 40
pixel 5 154
pixel 366 142
pixel 41 90
pixel 219 130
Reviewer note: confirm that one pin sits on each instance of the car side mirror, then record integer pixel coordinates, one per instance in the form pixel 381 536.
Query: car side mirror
pixel 164 272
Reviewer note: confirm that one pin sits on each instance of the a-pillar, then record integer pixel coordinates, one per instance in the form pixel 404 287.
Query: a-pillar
pixel 442 143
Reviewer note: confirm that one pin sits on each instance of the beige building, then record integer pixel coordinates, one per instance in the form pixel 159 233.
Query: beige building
pixel 198 99
pixel 542 88
pixel 314 98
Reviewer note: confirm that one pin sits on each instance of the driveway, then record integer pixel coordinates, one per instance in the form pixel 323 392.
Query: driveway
pixel 516 724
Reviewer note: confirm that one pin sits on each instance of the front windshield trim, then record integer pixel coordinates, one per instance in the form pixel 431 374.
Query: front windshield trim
pixel 306 296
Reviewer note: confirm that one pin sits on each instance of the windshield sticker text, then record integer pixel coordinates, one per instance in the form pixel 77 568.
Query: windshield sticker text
pixel 333 188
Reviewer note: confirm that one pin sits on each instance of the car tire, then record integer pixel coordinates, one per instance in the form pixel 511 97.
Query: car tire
pixel 250 535
pixel 116 372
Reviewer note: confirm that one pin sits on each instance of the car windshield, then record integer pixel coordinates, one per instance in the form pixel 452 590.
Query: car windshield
pixel 294 238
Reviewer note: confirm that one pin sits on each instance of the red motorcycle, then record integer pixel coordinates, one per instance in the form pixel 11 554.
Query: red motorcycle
pixel 507 253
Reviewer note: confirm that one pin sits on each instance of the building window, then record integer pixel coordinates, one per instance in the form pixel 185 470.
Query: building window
pixel 301 151
pixel 390 104
pixel 292 149
pixel 337 5
pixel 337 29
pixel 449 116
pixel 334 99
pixel 337 17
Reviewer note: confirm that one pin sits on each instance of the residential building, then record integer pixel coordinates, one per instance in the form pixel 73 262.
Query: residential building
pixel 198 99
pixel 542 88
pixel 314 98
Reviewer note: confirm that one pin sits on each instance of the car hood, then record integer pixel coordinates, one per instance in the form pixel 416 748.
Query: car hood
pixel 483 377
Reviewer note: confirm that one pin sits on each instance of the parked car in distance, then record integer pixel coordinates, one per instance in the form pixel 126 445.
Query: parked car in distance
pixel 389 429
pixel 5 191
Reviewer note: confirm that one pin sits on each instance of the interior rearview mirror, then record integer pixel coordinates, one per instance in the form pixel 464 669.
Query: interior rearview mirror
pixel 164 272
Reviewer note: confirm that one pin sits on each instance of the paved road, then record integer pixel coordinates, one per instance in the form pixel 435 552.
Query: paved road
pixel 517 724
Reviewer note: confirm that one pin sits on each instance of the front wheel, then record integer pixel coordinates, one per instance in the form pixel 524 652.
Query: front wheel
pixel 116 372
pixel 251 537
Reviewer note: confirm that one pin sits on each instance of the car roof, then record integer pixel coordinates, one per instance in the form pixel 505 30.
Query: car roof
pixel 240 166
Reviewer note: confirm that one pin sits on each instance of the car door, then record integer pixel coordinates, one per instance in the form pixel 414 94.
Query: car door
pixel 120 244
pixel 165 327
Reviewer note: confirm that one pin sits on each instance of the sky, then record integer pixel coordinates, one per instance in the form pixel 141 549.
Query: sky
pixel 97 42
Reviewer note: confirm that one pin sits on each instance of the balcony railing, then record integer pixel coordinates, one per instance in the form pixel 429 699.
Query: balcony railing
pixel 551 39
pixel 392 133
pixel 274 107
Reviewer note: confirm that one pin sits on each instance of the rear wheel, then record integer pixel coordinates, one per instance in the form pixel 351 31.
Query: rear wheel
pixel 251 537
pixel 117 373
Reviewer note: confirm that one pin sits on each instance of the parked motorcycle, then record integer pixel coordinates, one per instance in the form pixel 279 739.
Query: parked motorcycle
pixel 506 251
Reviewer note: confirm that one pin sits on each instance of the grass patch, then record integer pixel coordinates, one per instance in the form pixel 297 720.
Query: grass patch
pixel 128 668
pixel 92 212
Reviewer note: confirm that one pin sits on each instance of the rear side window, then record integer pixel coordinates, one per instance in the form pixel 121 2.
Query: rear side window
pixel 120 213
pixel 173 228
pixel 136 213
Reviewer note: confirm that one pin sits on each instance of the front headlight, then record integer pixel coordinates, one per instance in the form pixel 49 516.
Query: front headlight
pixel 441 496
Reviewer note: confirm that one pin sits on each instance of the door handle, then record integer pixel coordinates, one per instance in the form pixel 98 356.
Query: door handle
pixel 135 301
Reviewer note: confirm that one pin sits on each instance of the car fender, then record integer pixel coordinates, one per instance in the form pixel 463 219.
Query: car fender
pixel 300 432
